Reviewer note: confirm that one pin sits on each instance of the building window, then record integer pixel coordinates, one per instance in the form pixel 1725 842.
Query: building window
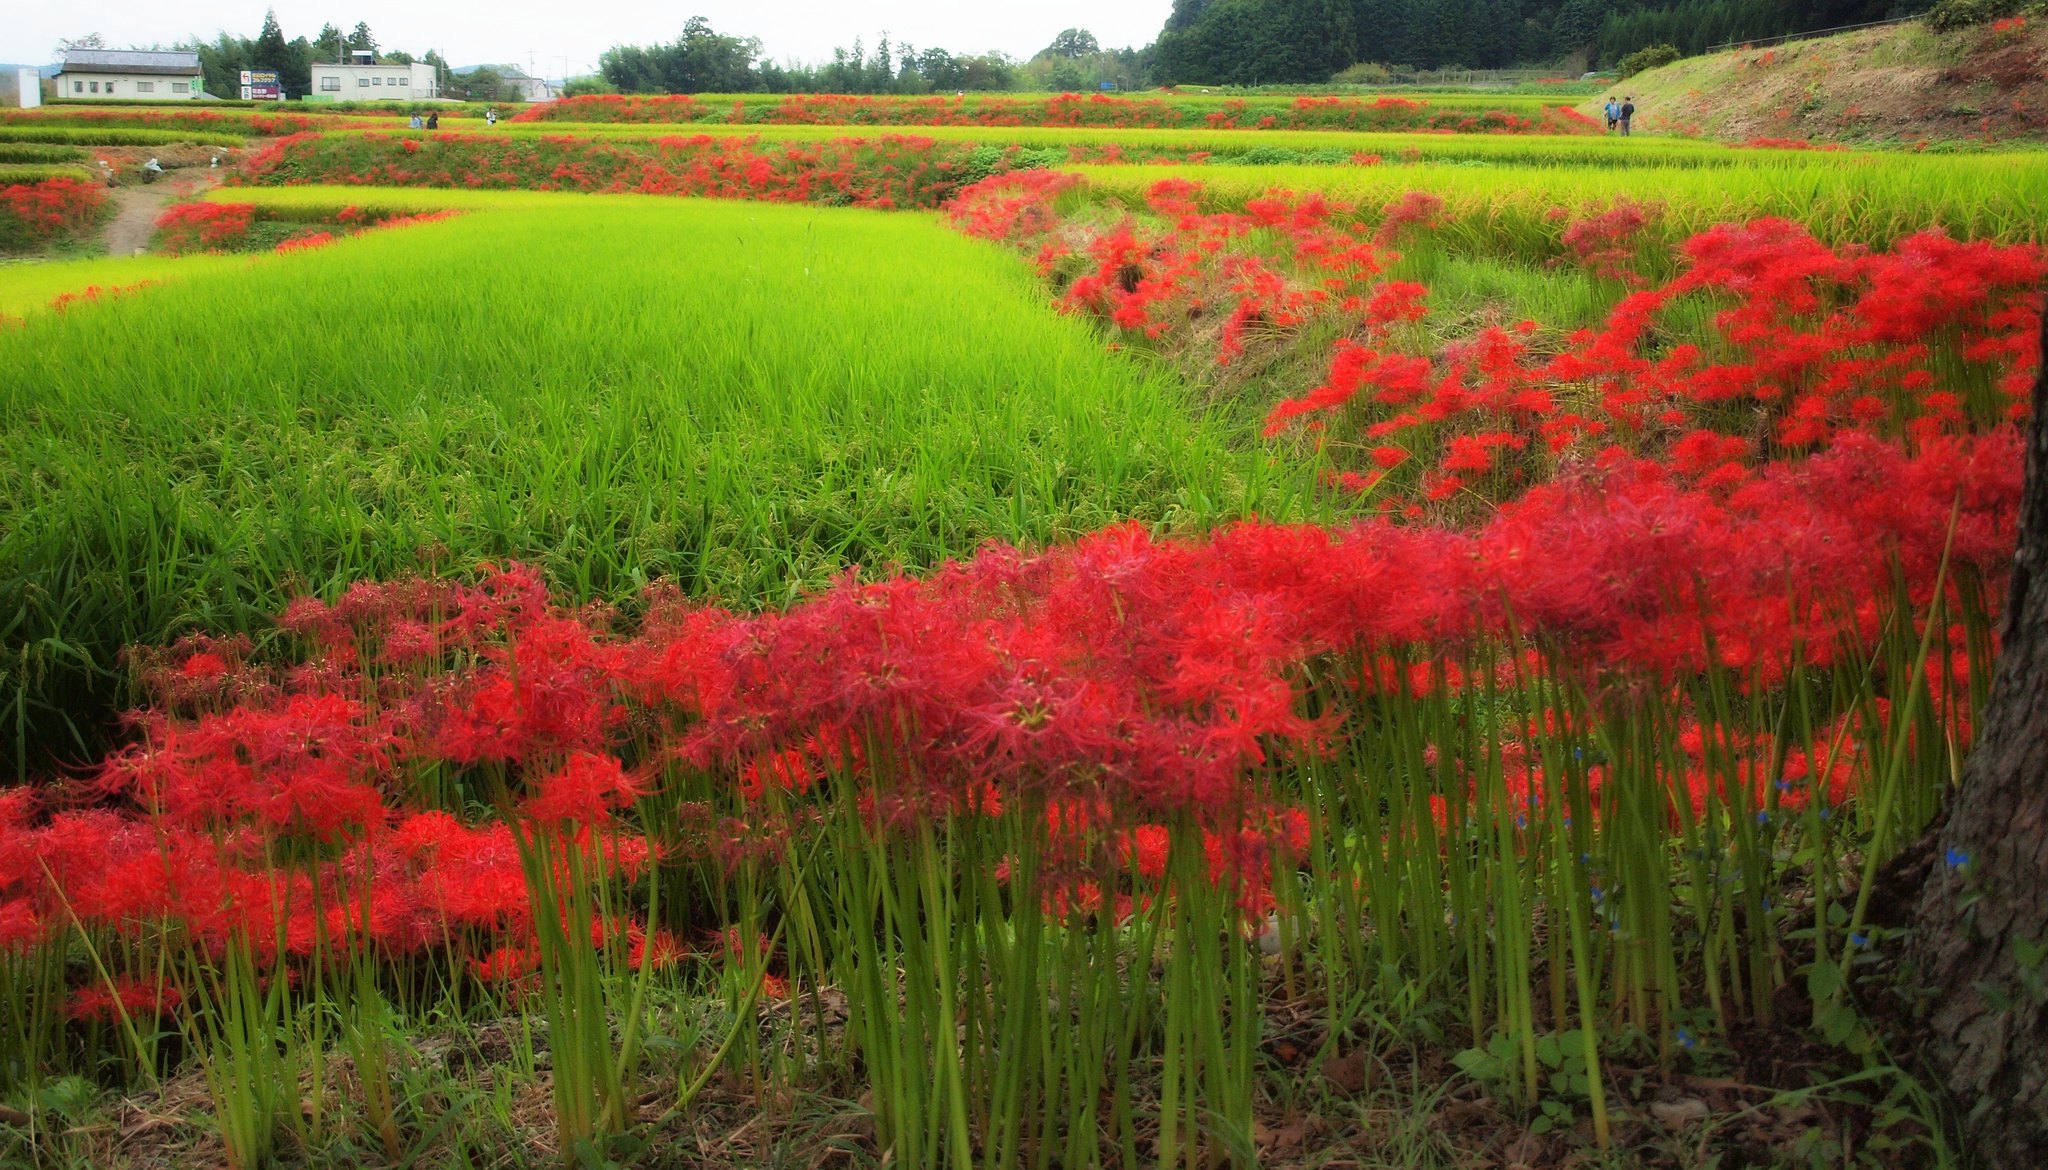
pixel 329 83
pixel 181 87
pixel 96 86
pixel 363 81
pixel 78 87
pixel 376 81
pixel 145 87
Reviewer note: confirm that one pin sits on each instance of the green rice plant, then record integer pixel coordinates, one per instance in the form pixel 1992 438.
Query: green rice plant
pixel 16 153
pixel 743 435
pixel 35 172
pixel 27 289
pixel 1504 210
pixel 1143 144
pixel 115 136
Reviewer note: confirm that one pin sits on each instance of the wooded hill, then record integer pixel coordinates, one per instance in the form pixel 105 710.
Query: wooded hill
pixel 1250 42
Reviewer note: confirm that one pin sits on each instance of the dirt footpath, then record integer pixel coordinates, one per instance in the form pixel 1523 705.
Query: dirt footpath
pixel 136 209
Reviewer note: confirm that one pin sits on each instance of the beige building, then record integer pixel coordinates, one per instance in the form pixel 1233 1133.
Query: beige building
pixel 361 81
pixel 128 75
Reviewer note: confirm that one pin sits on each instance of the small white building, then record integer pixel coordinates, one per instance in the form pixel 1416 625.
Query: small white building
pixel 527 89
pixel 362 81
pixel 129 75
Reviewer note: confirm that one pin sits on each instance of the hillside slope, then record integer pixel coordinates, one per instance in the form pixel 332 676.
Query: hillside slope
pixel 1899 84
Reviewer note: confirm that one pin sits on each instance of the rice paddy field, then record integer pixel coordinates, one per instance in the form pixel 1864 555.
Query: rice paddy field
pixel 797 632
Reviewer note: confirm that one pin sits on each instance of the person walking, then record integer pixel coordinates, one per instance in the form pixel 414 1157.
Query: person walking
pixel 1613 113
pixel 1628 114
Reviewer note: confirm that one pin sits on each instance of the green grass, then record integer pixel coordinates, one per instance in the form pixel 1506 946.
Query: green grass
pixel 743 398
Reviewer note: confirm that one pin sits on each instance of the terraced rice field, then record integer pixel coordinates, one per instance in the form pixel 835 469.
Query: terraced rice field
pixel 1054 646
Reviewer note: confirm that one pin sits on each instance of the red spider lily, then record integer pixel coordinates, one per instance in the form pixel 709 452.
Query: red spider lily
pixel 200 227
pixel 35 213
pixel 130 997
pixel 585 791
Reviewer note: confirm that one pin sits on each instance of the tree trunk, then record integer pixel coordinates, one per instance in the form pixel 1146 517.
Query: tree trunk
pixel 1982 923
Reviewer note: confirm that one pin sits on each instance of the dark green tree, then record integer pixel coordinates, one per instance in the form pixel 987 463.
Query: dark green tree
pixel 481 84
pixel 702 60
pixel 1074 44
pixel 221 62
pixel 434 58
pixel 270 50
pixel 297 75
pixel 1577 24
pixel 362 38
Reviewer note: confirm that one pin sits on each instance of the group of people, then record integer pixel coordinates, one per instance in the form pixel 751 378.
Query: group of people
pixel 1620 113
pixel 432 122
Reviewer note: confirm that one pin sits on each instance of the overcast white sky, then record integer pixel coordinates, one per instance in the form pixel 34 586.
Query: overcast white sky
pixel 549 30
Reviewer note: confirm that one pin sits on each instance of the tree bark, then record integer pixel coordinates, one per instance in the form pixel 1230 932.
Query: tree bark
pixel 1982 922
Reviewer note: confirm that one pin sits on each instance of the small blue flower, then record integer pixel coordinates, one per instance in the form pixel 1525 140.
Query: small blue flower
pixel 1685 1039
pixel 1957 859
pixel 1763 816
pixel 1859 939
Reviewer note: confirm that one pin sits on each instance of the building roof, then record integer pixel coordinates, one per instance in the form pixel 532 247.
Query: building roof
pixel 126 70
pixel 130 61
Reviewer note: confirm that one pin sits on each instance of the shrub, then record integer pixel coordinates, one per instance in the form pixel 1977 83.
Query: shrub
pixel 1950 15
pixel 1646 59
pixel 1363 73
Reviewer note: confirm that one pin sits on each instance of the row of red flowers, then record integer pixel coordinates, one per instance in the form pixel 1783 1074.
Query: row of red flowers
pixel 228 227
pixel 1144 678
pixel 1803 341
pixel 882 171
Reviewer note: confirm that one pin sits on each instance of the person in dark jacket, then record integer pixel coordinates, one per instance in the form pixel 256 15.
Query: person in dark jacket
pixel 1628 114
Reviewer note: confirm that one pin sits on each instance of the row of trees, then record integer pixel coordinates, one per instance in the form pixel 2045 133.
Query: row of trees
pixel 222 60
pixel 703 60
pixel 1249 42
pixel 1695 26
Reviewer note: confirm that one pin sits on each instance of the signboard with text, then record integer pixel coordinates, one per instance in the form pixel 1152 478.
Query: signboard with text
pixel 261 85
